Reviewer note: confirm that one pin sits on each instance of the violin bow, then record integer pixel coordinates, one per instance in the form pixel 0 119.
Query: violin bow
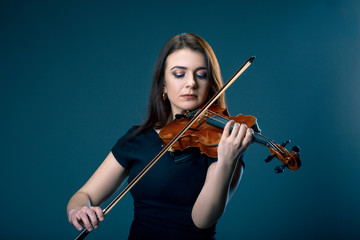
pixel 131 184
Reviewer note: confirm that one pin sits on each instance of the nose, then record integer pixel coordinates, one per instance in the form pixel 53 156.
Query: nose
pixel 191 81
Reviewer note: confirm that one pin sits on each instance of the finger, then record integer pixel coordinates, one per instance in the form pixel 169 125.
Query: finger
pixel 241 134
pixel 75 222
pixel 235 130
pixel 249 136
pixel 227 128
pixel 85 219
pixel 247 139
pixel 93 218
pixel 99 212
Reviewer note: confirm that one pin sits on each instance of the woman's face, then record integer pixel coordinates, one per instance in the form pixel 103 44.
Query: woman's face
pixel 186 80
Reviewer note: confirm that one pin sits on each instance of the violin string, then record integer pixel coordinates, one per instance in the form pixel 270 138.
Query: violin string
pixel 270 143
pixel 224 120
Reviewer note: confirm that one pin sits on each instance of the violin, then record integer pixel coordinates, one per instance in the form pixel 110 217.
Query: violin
pixel 206 131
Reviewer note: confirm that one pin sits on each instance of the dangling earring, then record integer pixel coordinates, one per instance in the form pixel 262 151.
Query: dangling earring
pixel 164 96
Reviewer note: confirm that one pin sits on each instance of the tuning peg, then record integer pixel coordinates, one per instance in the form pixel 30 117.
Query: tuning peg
pixel 285 143
pixel 296 149
pixel 280 168
pixel 270 157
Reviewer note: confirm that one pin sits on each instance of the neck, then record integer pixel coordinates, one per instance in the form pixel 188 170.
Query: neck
pixel 219 121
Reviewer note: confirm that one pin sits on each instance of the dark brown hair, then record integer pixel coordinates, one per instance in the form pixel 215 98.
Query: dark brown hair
pixel 159 110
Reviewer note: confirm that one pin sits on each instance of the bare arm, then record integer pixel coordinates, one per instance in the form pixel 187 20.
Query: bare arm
pixel 222 177
pixel 83 205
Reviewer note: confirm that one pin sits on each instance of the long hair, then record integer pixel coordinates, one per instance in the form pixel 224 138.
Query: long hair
pixel 159 110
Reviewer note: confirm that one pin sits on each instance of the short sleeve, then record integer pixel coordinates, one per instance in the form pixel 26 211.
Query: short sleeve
pixel 211 160
pixel 122 148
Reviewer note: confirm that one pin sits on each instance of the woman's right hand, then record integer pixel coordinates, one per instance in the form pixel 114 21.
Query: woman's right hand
pixel 88 217
pixel 82 209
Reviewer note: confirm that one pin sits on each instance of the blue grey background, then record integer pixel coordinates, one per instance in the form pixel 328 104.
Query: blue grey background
pixel 75 75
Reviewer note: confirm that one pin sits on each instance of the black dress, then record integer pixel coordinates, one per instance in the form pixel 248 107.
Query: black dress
pixel 164 197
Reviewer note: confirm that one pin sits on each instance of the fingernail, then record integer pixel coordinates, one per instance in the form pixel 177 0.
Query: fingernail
pixel 90 229
pixel 80 228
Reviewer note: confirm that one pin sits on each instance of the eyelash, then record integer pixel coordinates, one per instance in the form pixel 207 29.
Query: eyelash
pixel 202 76
pixel 179 75
pixel 197 75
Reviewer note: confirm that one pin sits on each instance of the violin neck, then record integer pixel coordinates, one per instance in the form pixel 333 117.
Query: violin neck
pixel 220 122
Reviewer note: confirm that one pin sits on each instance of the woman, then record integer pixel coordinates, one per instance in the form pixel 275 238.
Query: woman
pixel 185 193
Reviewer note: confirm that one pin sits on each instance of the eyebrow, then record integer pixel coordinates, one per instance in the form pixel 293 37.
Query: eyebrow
pixel 181 67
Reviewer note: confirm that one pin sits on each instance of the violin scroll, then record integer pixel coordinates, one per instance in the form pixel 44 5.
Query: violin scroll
pixel 290 160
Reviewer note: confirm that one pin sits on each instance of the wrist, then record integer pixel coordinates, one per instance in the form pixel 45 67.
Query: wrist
pixel 226 163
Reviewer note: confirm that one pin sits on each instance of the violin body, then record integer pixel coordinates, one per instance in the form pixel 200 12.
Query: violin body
pixel 201 134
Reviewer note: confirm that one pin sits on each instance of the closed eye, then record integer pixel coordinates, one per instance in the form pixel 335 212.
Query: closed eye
pixel 201 76
pixel 178 75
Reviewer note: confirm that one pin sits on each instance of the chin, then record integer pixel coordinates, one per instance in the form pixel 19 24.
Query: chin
pixel 191 106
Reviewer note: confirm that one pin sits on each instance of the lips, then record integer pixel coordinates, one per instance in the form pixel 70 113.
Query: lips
pixel 189 96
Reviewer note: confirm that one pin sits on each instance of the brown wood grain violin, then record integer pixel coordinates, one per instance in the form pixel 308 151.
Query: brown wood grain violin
pixel 206 131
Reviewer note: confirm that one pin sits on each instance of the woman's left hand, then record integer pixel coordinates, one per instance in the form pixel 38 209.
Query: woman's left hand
pixel 233 144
